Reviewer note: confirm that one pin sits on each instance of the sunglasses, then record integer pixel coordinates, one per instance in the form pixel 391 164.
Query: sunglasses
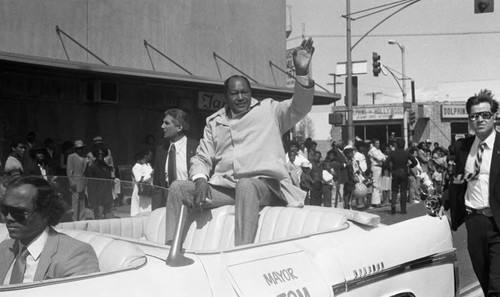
pixel 486 115
pixel 19 215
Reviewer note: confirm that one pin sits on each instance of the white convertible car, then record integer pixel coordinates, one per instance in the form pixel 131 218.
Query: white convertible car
pixel 298 252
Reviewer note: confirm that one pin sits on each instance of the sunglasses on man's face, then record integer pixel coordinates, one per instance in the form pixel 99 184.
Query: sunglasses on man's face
pixel 486 115
pixel 18 214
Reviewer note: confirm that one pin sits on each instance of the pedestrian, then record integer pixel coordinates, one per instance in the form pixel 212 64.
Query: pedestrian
pixel 142 174
pixel 14 164
pixel 399 160
pixel 474 192
pixel 100 184
pixel 75 170
pixel 377 159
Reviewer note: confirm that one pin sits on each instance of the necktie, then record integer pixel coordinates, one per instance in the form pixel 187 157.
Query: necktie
pixel 19 268
pixel 172 167
pixel 477 163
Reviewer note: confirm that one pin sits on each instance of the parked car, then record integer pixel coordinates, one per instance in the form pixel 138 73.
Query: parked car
pixel 309 251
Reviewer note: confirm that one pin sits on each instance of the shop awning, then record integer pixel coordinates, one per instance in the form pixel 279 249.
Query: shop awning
pixel 80 68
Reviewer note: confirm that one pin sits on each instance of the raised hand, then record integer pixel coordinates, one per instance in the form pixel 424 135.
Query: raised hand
pixel 302 57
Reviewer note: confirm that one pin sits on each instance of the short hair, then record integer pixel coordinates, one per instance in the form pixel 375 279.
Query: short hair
pixel 484 96
pixel 226 82
pixel 375 139
pixel 143 153
pixel 400 142
pixel 46 201
pixel 97 148
pixel 180 118
pixel 348 150
pixel 16 142
pixel 293 143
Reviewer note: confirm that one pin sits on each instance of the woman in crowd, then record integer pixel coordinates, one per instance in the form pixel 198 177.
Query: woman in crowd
pixel 100 185
pixel 142 174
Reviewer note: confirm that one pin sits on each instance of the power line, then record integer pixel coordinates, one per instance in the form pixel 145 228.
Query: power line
pixel 400 35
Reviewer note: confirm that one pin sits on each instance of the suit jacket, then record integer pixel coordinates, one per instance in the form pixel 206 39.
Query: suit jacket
pixel 75 168
pixel 61 256
pixel 456 191
pixel 159 178
pixel 250 145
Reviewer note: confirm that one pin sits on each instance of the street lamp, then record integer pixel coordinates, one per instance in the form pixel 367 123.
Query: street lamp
pixel 405 117
pixel 402 48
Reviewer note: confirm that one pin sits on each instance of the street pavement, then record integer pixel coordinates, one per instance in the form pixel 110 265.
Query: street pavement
pixel 469 286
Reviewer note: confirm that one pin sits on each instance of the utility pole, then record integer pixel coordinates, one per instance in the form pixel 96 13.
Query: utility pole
pixel 374 96
pixel 350 126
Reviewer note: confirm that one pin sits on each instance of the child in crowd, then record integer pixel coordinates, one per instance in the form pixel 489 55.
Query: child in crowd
pixel 352 170
pixel 437 178
pixel 385 186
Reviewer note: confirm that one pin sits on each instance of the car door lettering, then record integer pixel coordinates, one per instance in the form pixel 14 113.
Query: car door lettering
pixel 297 293
pixel 283 275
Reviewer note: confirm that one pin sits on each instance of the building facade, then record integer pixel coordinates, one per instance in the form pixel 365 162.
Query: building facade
pixel 74 69
pixel 442 122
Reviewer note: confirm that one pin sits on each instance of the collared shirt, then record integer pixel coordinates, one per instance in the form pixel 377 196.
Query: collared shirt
pixel 35 249
pixel 478 190
pixel 376 156
pixel 361 159
pixel 180 160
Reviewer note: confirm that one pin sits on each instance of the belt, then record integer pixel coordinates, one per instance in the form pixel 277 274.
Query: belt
pixel 485 211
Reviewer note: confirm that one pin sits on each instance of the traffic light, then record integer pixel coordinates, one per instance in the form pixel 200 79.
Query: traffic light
pixel 482 6
pixel 412 119
pixel 376 64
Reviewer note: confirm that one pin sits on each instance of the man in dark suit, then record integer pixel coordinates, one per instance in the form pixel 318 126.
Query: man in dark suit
pixel 474 191
pixel 175 126
pixel 35 250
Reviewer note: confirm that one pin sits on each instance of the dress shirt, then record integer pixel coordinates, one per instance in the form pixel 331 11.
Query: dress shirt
pixel 376 156
pixel 180 160
pixel 478 193
pixel 35 249
pixel 361 159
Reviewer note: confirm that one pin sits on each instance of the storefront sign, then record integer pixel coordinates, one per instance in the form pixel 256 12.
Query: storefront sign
pixel 453 111
pixel 378 113
pixel 210 101
pixel 285 275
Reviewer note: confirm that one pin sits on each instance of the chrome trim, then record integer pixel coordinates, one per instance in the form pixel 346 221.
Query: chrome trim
pixel 427 261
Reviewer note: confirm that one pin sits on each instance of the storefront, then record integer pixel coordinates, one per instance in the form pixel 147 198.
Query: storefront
pixel 382 122
pixel 435 121
pixel 456 116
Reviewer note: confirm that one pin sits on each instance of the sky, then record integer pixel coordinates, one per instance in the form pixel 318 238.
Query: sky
pixel 445 42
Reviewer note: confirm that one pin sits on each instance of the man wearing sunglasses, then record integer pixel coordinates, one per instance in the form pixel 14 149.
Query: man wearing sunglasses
pixel 474 190
pixel 35 251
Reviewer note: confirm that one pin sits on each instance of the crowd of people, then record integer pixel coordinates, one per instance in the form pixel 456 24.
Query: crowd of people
pixel 367 174
pixel 91 173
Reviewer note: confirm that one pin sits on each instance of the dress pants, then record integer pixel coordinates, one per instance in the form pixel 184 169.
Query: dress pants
pixel 78 205
pixel 248 196
pixel 483 243
pixel 399 183
pixel 377 180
